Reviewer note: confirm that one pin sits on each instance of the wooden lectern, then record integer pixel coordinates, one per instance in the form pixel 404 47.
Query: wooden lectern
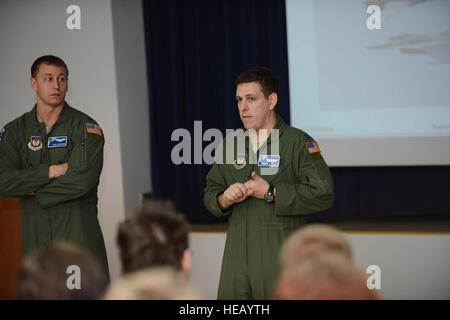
pixel 10 245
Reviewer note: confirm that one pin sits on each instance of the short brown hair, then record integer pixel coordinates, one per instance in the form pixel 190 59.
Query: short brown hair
pixel 48 59
pixel 156 235
pixel 264 76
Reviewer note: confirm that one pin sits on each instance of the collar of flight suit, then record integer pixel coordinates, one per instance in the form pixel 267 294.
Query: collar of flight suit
pixel 279 124
pixel 31 117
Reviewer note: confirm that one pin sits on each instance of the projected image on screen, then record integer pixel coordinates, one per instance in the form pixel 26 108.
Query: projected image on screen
pixel 349 81
pixel 407 62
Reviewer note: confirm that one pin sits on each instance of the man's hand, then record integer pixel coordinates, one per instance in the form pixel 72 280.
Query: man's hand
pixel 257 187
pixel 235 193
pixel 57 170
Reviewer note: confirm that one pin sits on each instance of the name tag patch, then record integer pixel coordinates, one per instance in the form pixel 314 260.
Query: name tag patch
pixel 271 161
pixel 57 142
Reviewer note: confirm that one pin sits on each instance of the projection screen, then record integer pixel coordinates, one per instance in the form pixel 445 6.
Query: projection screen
pixel 370 80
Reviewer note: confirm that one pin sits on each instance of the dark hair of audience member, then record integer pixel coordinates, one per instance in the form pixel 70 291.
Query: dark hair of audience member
pixel 155 236
pixel 45 275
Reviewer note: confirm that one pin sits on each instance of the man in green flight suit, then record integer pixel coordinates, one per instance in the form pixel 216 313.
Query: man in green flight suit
pixel 52 157
pixel 267 199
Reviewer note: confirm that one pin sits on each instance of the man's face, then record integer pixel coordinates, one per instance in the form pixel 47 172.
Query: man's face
pixel 50 84
pixel 254 108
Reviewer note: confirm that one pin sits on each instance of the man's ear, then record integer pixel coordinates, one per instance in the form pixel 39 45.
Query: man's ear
pixel 33 83
pixel 273 99
pixel 186 261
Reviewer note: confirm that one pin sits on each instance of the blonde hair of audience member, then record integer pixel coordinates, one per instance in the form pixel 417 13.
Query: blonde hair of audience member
pixel 323 276
pixel 43 274
pixel 310 240
pixel 157 283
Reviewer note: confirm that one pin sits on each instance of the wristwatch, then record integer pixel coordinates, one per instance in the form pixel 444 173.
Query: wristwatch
pixel 269 194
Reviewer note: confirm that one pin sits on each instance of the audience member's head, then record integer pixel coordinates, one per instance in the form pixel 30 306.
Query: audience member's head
pixel 61 271
pixel 323 276
pixel 159 283
pixel 310 240
pixel 155 236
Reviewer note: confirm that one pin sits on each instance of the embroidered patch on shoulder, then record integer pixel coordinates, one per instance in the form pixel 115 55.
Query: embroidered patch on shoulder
pixel 35 143
pixel 307 136
pixel 2 133
pixel 93 128
pixel 312 147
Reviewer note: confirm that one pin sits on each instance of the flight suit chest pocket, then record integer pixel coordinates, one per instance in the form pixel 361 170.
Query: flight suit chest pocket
pixel 284 173
pixel 59 149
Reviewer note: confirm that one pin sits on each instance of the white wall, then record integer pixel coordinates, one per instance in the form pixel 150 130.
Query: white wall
pixel 413 266
pixel 132 94
pixel 207 250
pixel 29 29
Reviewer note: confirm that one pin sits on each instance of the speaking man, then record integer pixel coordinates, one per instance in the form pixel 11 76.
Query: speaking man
pixel 277 178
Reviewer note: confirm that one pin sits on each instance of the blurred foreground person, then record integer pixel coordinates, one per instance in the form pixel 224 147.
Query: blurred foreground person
pixel 62 271
pixel 310 240
pixel 323 276
pixel 159 283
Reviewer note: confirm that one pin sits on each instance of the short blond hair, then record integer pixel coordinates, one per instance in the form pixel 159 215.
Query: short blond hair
pixel 158 283
pixel 324 276
pixel 310 240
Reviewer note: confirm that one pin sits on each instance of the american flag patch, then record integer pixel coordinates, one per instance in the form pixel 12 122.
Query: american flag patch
pixel 312 147
pixel 93 128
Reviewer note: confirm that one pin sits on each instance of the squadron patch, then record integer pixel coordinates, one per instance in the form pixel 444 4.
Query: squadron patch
pixel 93 128
pixel 35 143
pixel 312 147
pixel 307 136
pixel 240 162
pixel 2 133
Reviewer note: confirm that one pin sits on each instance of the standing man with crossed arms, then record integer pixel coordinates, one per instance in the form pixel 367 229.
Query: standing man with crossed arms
pixel 51 158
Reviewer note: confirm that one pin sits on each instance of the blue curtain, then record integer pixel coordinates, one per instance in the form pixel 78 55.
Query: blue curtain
pixel 374 192
pixel 195 51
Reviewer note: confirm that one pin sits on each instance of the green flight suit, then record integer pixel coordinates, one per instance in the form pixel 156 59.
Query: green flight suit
pixel 64 208
pixel 257 228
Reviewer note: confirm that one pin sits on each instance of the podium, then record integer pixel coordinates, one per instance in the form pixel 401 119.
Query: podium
pixel 10 245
